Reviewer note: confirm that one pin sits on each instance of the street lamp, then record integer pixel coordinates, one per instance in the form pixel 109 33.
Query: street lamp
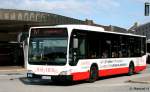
pixel 147 4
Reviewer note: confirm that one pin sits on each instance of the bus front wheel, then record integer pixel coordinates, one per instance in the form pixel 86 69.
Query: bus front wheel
pixel 93 74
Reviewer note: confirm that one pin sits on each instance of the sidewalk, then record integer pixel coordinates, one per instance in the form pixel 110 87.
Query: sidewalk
pixel 143 79
pixel 12 72
pixel 12 69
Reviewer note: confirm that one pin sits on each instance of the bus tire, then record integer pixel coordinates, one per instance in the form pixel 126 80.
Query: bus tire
pixel 93 74
pixel 131 69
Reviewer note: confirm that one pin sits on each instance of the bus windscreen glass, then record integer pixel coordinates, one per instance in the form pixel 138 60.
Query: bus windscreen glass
pixel 48 46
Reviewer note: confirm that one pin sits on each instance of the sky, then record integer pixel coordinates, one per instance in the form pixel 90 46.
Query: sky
pixel 121 13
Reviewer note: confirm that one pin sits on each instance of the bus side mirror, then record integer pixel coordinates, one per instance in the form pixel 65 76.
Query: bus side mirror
pixel 75 43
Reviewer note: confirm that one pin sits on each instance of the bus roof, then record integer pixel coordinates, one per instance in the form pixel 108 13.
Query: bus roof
pixel 89 28
pixel 83 27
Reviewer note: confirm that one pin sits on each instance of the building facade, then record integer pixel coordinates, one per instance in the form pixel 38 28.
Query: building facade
pixel 143 29
pixel 15 23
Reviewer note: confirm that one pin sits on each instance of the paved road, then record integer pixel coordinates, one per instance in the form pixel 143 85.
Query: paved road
pixel 15 82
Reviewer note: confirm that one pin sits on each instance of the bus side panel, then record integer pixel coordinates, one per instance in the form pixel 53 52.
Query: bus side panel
pixel 141 65
pixel 81 70
pixel 113 66
pixel 106 67
pixel 113 71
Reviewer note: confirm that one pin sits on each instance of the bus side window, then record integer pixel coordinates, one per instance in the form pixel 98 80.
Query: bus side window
pixel 106 47
pixel 93 48
pixel 82 48
pixel 105 54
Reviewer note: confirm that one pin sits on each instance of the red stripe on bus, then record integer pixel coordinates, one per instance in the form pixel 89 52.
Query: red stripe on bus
pixel 139 68
pixel 107 72
pixel 80 76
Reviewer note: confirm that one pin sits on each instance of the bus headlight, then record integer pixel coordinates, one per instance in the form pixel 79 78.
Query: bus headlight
pixel 29 75
pixel 30 71
pixel 65 72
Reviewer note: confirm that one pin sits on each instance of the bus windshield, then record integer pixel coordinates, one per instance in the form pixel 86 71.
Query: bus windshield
pixel 48 49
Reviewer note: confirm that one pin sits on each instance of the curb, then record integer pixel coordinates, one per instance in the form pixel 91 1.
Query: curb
pixel 12 70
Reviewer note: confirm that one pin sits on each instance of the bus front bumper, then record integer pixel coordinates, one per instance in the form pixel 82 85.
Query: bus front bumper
pixel 51 77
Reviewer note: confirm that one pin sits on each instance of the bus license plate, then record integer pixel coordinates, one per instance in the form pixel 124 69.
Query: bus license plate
pixel 46 77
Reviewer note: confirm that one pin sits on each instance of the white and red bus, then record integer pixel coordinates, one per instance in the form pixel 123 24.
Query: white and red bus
pixel 82 52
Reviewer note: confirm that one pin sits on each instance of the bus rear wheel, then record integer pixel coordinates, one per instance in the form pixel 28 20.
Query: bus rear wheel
pixel 131 69
pixel 93 74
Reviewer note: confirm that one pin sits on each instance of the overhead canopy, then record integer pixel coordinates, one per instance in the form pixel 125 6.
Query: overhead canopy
pixel 12 22
pixel 9 29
